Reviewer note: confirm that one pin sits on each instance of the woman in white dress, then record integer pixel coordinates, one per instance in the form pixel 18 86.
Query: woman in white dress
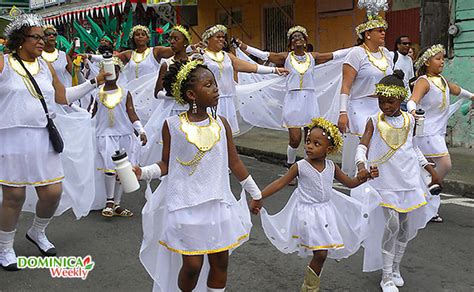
pixel 363 67
pixel 223 65
pixel 432 94
pixel 27 156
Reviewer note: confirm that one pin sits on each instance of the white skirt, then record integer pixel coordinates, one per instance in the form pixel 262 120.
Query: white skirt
pixel 226 108
pixel 432 146
pixel 304 228
pixel 106 147
pixel 373 224
pixel 27 158
pixel 359 110
pixel 208 228
pixel 299 108
pixel 403 201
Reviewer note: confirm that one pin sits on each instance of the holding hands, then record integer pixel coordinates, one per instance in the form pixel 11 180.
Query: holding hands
pixel 363 174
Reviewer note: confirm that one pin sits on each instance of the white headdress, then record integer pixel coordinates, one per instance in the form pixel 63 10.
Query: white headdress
pixel 297 28
pixel 213 30
pixel 373 7
pixel 432 51
pixel 23 20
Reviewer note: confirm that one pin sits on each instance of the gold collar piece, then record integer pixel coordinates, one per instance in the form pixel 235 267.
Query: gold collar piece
pixel 50 57
pixel 110 99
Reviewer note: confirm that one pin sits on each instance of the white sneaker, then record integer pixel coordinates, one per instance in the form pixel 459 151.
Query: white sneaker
pixel 397 279
pixel 8 260
pixel 42 243
pixel 389 286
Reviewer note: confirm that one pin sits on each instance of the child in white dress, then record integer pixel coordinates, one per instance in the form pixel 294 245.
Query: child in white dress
pixel 312 222
pixel 193 212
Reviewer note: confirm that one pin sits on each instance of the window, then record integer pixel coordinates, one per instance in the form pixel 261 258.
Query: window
pixel 224 18
pixel 277 22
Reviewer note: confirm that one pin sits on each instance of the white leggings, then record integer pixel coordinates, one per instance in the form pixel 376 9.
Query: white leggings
pixel 394 240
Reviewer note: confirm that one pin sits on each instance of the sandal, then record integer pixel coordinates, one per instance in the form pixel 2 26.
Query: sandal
pixel 437 219
pixel 108 211
pixel 123 212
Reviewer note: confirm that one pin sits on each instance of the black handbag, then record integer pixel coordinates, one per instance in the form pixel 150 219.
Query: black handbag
pixel 54 136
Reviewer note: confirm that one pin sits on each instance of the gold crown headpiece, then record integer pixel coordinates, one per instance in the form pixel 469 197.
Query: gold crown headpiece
pixel 297 28
pixel 181 77
pixel 116 60
pixel 330 130
pixel 185 32
pixel 213 30
pixel 49 26
pixel 433 50
pixel 391 91
pixel 139 27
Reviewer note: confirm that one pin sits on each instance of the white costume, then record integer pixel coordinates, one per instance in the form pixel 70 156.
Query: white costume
pixel 435 103
pixel 193 211
pixel 140 65
pixel 224 73
pixel 404 63
pixel 399 187
pixel 59 62
pixel 301 103
pixel 316 217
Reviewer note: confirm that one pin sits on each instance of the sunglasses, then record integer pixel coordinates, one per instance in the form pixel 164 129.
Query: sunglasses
pixel 51 34
pixel 36 37
pixel 406 43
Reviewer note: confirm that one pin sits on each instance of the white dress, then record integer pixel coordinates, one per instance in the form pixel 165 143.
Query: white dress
pixel 316 217
pixel 398 187
pixel 137 73
pixel 224 74
pixel 191 212
pixel 404 63
pixel 59 66
pixel 301 103
pixel 432 143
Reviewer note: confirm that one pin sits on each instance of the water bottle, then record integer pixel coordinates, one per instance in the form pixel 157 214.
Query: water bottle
pixel 77 43
pixel 419 122
pixel 109 66
pixel 124 171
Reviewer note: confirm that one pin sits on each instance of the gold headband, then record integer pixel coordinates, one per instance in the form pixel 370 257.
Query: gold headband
pixel 183 30
pixel 330 130
pixel 213 30
pixel 373 22
pixel 391 91
pixel 137 28
pixel 297 28
pixel 432 51
pixel 182 75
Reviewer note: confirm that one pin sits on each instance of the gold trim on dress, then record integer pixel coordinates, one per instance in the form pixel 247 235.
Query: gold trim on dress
pixel 202 252
pixel 106 170
pixel 437 154
pixel 441 84
pixel 315 247
pixel 300 67
pixel 110 99
pixel 43 182
pixel 138 58
pixel 399 210
pixel 216 57
pixel 33 67
pixel 381 64
pixel 50 57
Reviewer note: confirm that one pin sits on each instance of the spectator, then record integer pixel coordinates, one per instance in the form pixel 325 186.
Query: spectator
pixel 401 60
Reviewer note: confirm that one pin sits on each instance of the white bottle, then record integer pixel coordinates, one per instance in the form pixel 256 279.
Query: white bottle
pixel 124 171
pixel 419 122
pixel 109 66
pixel 77 43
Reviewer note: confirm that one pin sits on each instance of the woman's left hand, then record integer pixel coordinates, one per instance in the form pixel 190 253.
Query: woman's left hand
pixel 100 78
pixel 281 71
pixel 143 138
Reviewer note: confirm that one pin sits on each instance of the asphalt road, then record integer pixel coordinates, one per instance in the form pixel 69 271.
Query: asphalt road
pixel 440 258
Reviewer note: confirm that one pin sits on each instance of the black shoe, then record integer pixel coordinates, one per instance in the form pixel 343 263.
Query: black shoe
pixel 11 268
pixel 49 253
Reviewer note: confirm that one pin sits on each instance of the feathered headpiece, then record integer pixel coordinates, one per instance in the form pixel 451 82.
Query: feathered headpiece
pixel 297 28
pixel 433 50
pixel 391 91
pixel 182 75
pixel 139 27
pixel 212 31
pixel 184 31
pixel 373 7
pixel 330 130
pixel 23 20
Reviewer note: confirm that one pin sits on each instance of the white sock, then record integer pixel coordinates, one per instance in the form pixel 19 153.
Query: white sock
pixel 109 186
pixel 6 239
pixel 118 191
pixel 40 224
pixel 291 154
pixel 387 259
pixel 399 251
pixel 215 289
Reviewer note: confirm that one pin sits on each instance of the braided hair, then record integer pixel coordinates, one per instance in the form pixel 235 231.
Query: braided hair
pixel 394 79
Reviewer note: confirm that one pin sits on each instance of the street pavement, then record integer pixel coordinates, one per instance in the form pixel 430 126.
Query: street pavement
pixel 440 258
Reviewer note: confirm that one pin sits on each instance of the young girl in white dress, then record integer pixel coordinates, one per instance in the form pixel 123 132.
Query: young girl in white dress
pixel 116 121
pixel 402 203
pixel 312 222
pixel 193 212
pixel 432 94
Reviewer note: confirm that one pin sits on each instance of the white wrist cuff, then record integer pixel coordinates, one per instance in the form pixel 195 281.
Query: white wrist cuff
pixel 137 125
pixel 77 92
pixel 251 187
pixel 257 53
pixel 150 172
pixel 465 94
pixel 343 101
pixel 361 154
pixel 411 106
pixel 265 69
pixel 421 158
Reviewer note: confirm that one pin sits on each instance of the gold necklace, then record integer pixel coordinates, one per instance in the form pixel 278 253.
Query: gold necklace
pixel 439 82
pixel 138 58
pixel 32 67
pixel 50 57
pixel 381 64
pixel 216 57
pixel 203 137
pixel 110 99
pixel 393 137
pixel 300 67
